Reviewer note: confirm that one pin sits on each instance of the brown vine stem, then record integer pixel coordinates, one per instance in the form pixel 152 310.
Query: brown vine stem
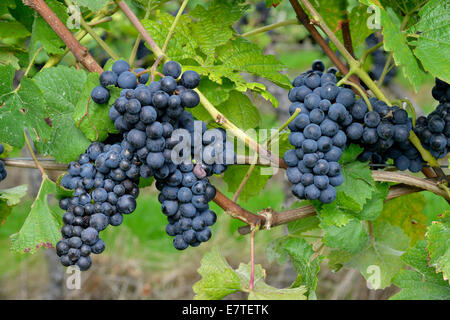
pixel 407 185
pixel 140 28
pixel 304 19
pixel 81 53
pixel 347 36
pixel 234 210
pixel 410 186
pixel 138 39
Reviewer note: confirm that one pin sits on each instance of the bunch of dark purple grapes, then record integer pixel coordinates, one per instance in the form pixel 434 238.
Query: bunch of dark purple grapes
pixel 330 119
pixel 186 192
pixel 106 177
pixel 316 133
pixel 384 134
pixel 105 183
pixel 434 129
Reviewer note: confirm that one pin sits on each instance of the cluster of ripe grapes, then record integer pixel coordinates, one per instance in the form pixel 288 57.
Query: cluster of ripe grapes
pixel 434 129
pixel 330 119
pixel 316 133
pixel 106 177
pixel 2 165
pixel 384 134
pixel 105 183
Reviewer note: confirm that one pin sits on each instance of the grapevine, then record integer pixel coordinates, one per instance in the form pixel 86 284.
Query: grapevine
pixel 137 106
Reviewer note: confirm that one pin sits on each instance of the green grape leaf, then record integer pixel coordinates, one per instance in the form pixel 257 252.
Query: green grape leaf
pixel 255 184
pixel 434 38
pixel 22 109
pixel 402 7
pixel 303 258
pixel 43 33
pixel 23 14
pixel 62 88
pixel 218 278
pixel 358 188
pixel 181 45
pixel 244 56
pixel 11 55
pixel 261 290
pixel 374 206
pixel 380 260
pixel 13 195
pixel 396 41
pixel 422 283
pixel 332 11
pixel 92 5
pixel 146 182
pixel 433 206
pixel 406 212
pixel 4 6
pixel 358 185
pixel 9 198
pixel 302 225
pixel 358 26
pixel 13 29
pixel 240 110
pixel 332 214
pixel 352 237
pixel 215 93
pixel 93 117
pixel 438 245
pixel 213 28
pixel 41 227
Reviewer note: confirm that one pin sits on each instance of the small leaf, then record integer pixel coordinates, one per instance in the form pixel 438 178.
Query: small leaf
pixel 12 196
pixel 9 198
pixel 434 38
pixel 41 227
pixel 218 278
pixel 374 206
pixel 13 29
pixel 302 256
pixel 396 41
pixel 213 28
pixel 261 290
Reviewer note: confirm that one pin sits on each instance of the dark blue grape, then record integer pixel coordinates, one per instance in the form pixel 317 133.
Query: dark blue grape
pixel 120 66
pixel 100 95
pixel 127 80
